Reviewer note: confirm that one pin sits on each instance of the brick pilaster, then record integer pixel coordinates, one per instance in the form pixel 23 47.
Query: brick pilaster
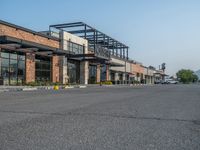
pixel 98 76
pixel 55 69
pixel 30 67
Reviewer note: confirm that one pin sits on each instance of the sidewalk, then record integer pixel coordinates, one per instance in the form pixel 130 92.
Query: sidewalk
pixel 33 88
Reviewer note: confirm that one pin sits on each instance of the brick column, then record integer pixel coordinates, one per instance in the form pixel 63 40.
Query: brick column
pixel 107 73
pixel 30 67
pixel 55 69
pixel 98 76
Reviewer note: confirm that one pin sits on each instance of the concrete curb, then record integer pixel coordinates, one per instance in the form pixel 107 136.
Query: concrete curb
pixel 68 87
pixel 29 89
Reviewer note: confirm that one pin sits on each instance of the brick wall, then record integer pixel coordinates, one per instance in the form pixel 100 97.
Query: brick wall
pixel 24 35
pixel 30 67
pixel 137 68
pixel 55 69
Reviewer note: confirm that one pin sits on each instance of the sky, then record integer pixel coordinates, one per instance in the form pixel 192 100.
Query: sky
pixel 156 31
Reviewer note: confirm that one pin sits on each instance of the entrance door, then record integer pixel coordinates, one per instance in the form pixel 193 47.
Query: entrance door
pixel 73 72
pixel 92 74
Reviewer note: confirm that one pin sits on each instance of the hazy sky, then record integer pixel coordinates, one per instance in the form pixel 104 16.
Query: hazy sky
pixel 156 31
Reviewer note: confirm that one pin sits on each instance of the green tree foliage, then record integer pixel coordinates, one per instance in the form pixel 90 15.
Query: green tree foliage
pixel 186 76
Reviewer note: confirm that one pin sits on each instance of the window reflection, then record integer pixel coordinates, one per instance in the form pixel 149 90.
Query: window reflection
pixel 73 71
pixel 12 68
pixel 43 69
pixel 74 47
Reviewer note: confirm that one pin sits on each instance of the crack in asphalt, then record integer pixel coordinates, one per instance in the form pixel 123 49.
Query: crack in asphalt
pixel 126 116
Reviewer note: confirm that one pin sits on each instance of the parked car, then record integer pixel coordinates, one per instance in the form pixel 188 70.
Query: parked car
pixel 157 82
pixel 172 81
pixel 164 82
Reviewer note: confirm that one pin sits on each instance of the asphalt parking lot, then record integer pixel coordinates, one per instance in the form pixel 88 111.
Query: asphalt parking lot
pixel 160 117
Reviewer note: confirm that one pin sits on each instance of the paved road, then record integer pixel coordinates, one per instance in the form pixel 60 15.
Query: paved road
pixel 141 118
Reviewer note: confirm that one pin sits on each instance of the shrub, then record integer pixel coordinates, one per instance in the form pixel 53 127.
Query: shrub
pixel 105 82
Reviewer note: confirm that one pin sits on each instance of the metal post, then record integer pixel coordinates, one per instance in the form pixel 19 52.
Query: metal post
pixel 123 53
pixel 127 53
pixel 120 51
pixel 116 49
pixel 113 47
pixel 85 31
pixel 94 41
pixel 104 38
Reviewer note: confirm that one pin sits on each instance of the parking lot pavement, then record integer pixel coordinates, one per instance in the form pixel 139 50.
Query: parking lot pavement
pixel 159 117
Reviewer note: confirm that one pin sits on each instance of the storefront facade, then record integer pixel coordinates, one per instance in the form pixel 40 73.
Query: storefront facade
pixel 78 56
pixel 27 56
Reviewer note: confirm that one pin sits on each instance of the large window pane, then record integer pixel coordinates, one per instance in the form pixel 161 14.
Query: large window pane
pixel 12 70
pixel 13 56
pixel 4 55
pixel 21 57
pixel 73 71
pixel 4 62
pixel 76 48
pixel 21 68
pixel 43 69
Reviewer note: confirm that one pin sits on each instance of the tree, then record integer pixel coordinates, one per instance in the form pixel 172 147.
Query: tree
pixel 186 76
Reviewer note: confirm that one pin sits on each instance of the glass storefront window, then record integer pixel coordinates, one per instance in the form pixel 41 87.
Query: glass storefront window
pixel 13 56
pixel 43 69
pixel 92 74
pixel 13 72
pixel 103 73
pixel 4 62
pixel 12 68
pixel 5 75
pixel 21 72
pixel 73 72
pixel 76 48
pixel 4 55
pixel 21 57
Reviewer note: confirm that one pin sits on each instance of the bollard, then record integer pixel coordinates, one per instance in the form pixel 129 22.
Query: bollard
pixel 56 87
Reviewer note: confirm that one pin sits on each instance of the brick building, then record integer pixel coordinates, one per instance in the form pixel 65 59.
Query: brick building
pixel 64 54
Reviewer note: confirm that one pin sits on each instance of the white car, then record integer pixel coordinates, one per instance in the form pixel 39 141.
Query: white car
pixel 172 81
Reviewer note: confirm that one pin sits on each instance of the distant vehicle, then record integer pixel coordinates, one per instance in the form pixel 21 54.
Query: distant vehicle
pixel 157 82
pixel 171 81
pixel 164 82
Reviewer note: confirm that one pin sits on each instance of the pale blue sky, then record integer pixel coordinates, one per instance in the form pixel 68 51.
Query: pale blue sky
pixel 155 30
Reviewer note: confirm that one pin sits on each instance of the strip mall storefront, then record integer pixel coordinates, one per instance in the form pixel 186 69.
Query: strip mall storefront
pixel 28 56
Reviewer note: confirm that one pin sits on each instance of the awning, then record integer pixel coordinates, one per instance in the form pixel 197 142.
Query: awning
pixel 114 64
pixel 15 44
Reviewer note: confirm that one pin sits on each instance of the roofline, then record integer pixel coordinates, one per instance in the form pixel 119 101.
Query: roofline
pixel 59 26
pixel 27 30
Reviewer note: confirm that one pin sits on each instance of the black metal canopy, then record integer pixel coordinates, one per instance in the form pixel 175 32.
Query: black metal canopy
pixel 94 37
pixel 14 44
